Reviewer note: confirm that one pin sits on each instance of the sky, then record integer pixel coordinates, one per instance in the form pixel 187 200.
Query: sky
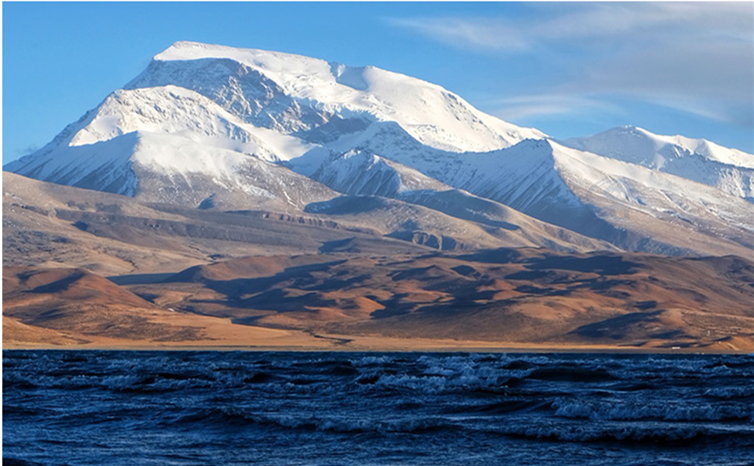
pixel 568 69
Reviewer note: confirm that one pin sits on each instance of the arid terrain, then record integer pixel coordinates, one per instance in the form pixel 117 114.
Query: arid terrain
pixel 108 273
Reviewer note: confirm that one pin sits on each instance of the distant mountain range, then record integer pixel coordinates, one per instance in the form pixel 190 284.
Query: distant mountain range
pixel 216 153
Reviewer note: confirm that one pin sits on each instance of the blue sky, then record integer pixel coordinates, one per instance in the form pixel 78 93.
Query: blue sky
pixel 569 69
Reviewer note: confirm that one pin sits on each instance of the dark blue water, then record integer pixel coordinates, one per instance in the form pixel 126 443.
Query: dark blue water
pixel 218 408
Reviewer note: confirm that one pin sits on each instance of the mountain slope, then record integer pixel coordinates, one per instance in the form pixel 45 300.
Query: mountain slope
pixel 50 225
pixel 729 170
pixel 360 173
pixel 522 298
pixel 173 145
pixel 633 207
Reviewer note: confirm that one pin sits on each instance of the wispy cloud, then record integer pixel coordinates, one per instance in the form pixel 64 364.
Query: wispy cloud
pixel 522 107
pixel 467 32
pixel 694 57
pixel 585 22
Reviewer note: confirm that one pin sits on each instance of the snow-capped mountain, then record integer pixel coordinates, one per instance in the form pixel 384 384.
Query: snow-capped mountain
pixel 320 101
pixel 360 174
pixel 729 170
pixel 631 206
pixel 170 144
pixel 215 127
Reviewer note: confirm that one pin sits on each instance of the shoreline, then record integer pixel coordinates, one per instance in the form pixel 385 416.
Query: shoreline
pixel 223 335
pixel 428 349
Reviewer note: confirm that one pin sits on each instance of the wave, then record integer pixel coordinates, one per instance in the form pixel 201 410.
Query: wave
pixel 225 417
pixel 505 407
pixel 668 435
pixel 730 393
pixel 571 374
pixel 667 411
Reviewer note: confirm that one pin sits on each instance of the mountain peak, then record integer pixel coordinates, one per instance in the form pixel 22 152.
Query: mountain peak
pixel 183 45
pixel 730 170
pixel 633 129
pixel 180 49
pixel 188 50
pixel 638 145
pixel 298 94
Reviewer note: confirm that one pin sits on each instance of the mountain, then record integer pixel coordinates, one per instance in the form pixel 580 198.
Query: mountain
pixel 634 207
pixel 50 225
pixel 173 145
pixel 238 197
pixel 320 101
pixel 729 170
pixel 59 307
pixel 363 175
pixel 224 129
pixel 631 206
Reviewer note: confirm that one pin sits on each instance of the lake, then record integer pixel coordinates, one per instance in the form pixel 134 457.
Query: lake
pixel 295 408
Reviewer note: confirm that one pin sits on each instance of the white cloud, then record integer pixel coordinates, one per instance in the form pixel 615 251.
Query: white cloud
pixel 694 57
pixel 521 107
pixel 476 32
pixel 553 24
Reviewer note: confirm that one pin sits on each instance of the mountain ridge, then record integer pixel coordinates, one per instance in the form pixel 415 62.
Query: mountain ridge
pixel 222 128
pixel 729 170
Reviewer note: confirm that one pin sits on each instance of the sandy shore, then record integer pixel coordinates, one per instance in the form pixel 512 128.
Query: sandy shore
pixel 221 334
pixel 291 341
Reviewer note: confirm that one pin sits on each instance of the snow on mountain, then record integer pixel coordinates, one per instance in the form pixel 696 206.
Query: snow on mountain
pixel 105 166
pixel 216 127
pixel 729 170
pixel 632 206
pixel 175 110
pixel 313 98
pixel 629 205
pixel 360 173
pixel 522 176
pixel 366 174
pixel 173 169
pixel 173 145
pixel 167 110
